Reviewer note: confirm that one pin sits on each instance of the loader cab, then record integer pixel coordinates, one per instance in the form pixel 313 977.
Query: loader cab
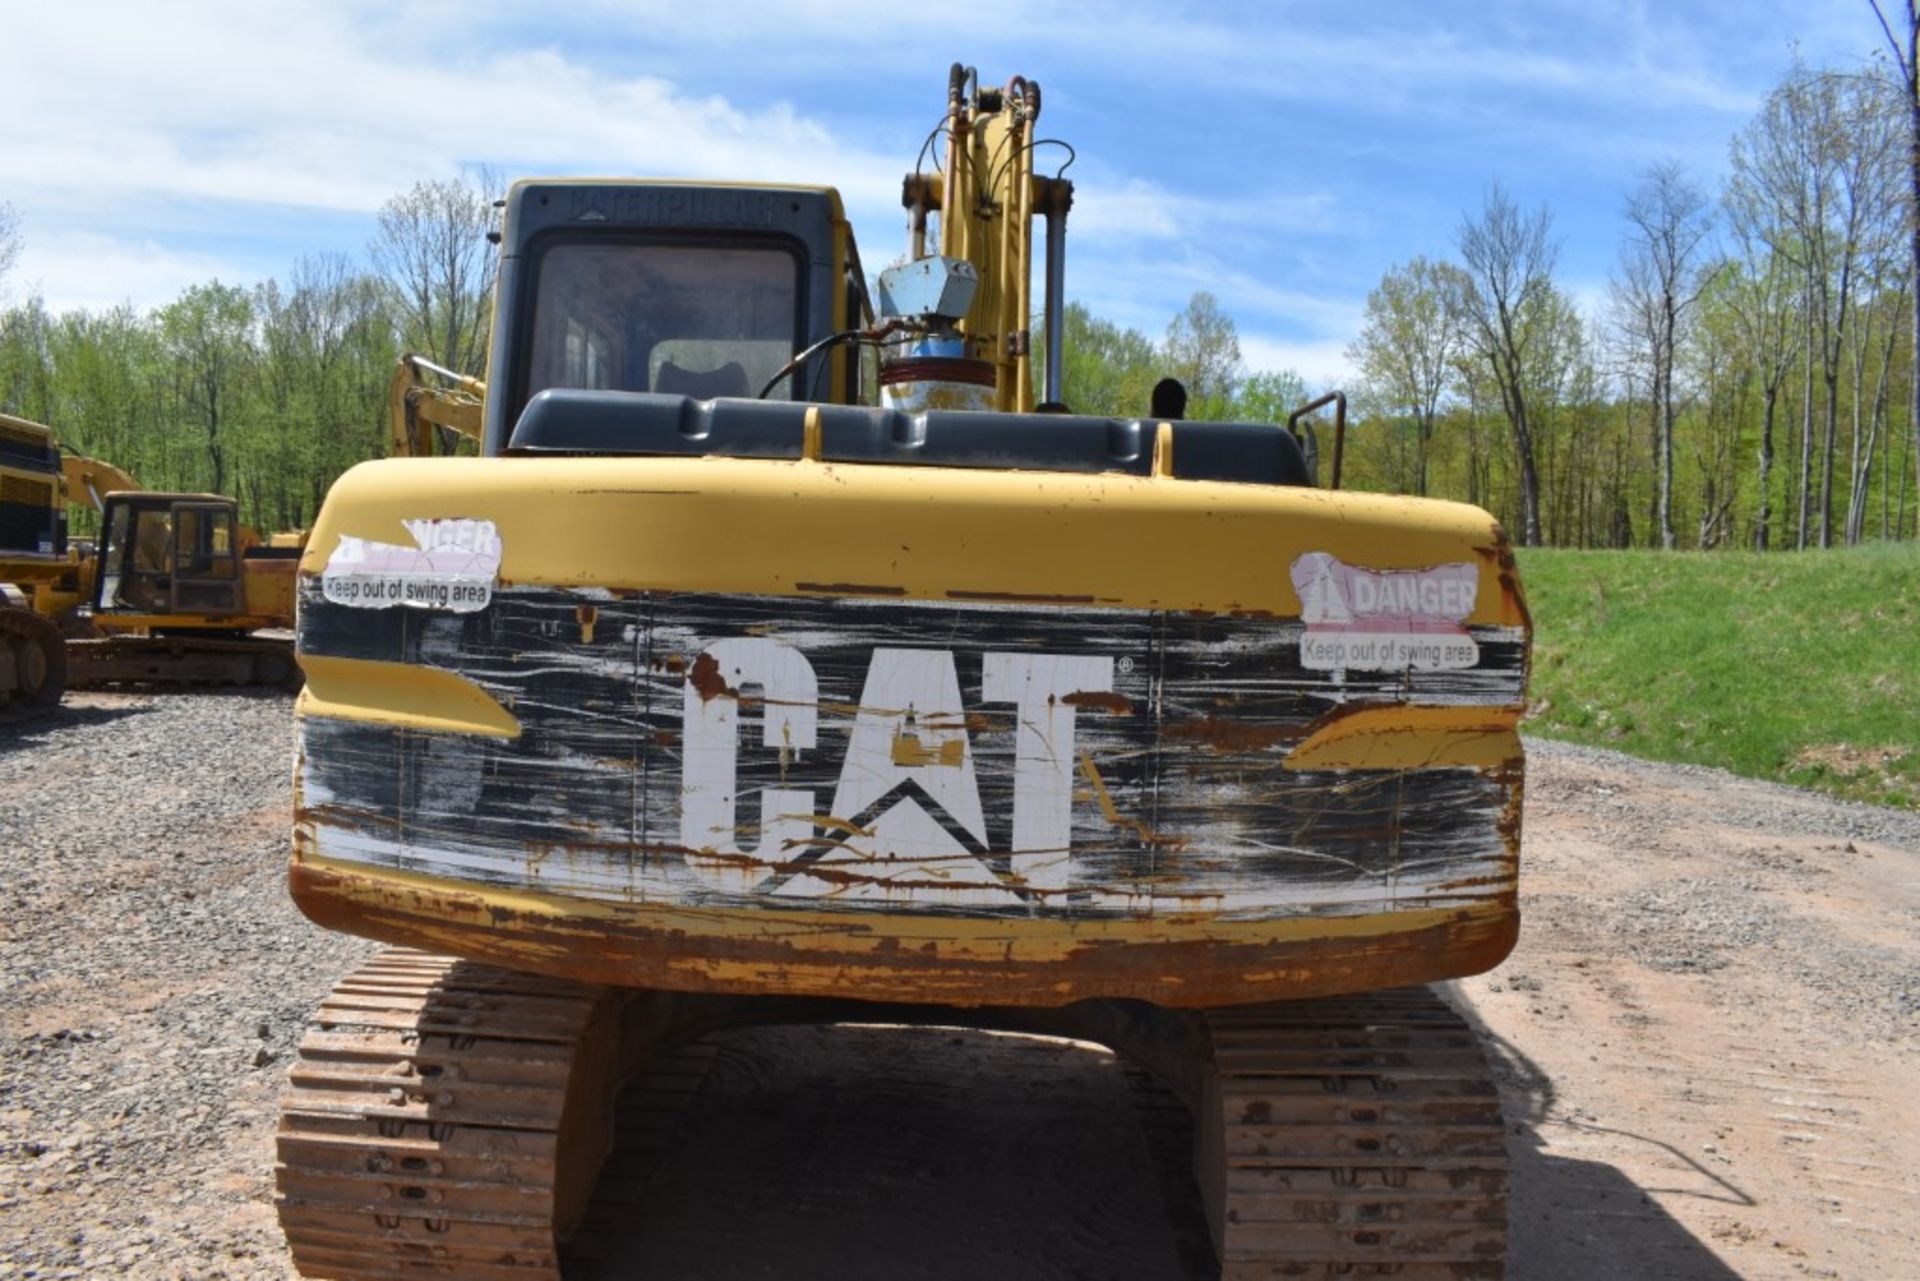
pixel 169 554
pixel 697 290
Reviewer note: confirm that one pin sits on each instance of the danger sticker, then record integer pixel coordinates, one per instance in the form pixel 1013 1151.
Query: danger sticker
pixel 453 566
pixel 1384 620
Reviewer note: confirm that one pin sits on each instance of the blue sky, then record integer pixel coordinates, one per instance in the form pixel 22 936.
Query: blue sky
pixel 1282 155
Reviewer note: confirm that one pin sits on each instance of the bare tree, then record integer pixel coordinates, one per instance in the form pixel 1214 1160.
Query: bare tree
pixel 1406 349
pixel 431 246
pixel 1668 222
pixel 1509 284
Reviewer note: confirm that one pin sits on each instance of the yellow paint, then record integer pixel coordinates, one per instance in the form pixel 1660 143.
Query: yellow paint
pixel 355 689
pixel 1163 449
pixel 1111 812
pixel 1403 737
pixel 122 623
pixel 810 433
pixel 89 480
pixel 736 525
pixel 832 824
pixel 959 939
pixel 909 752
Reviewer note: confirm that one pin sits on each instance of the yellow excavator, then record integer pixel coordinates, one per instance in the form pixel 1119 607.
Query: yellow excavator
pixel 34 564
pixel 747 678
pixel 176 590
pixel 426 420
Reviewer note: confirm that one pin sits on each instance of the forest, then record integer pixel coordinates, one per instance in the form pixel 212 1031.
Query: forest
pixel 1748 381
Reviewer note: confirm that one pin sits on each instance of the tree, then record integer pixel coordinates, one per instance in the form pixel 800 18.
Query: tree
pixel 431 246
pixel 207 332
pixel 1655 293
pixel 1758 289
pixel 1905 44
pixel 1406 347
pixel 1202 350
pixel 1269 396
pixel 1105 369
pixel 1820 159
pixel 9 239
pixel 326 351
pixel 1883 299
pixel 1509 283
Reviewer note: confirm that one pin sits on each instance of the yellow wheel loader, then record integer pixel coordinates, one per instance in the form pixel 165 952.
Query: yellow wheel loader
pixel 747 679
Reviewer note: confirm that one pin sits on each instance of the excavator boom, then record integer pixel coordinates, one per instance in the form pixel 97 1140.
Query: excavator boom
pixel 415 410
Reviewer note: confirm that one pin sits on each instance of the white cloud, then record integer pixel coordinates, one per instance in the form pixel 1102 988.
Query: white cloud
pixel 85 270
pixel 1321 361
pixel 145 121
pixel 1134 210
pixel 329 108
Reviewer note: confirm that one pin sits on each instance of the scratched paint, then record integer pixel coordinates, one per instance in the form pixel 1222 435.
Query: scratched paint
pixel 902 756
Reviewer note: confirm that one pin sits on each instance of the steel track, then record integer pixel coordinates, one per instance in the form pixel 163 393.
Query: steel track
pixel 1354 1136
pixel 450 1119
pixel 426 1129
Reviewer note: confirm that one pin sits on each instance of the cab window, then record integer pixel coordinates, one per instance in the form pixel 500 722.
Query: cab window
pixel 694 319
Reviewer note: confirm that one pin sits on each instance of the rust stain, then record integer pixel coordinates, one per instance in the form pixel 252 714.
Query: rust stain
pixel 675 665
pixel 651 493
pixel 1224 736
pixel 688 950
pixel 1500 552
pixel 1105 700
pixel 587 616
pixel 909 751
pixel 851 589
pixel 706 678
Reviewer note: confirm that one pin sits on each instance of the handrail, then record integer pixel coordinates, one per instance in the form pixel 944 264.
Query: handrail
pixel 1338 399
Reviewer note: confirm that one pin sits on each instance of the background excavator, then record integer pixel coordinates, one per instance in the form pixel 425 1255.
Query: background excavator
pixel 175 591
pixel 748 679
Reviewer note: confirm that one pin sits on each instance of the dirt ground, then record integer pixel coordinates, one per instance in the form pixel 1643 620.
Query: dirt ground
pixel 1708 1039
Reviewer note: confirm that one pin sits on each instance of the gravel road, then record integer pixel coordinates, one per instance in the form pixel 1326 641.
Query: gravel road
pixel 1709 1039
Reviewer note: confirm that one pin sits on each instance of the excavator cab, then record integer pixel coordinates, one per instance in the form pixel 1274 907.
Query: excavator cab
pixel 169 555
pixel 673 288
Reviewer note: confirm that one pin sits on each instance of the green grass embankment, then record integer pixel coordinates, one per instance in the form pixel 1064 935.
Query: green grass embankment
pixel 1801 667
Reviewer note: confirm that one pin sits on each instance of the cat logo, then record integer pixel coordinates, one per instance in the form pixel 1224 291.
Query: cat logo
pixel 907 807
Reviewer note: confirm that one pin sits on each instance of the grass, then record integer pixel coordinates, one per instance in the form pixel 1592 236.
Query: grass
pixel 1801 667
